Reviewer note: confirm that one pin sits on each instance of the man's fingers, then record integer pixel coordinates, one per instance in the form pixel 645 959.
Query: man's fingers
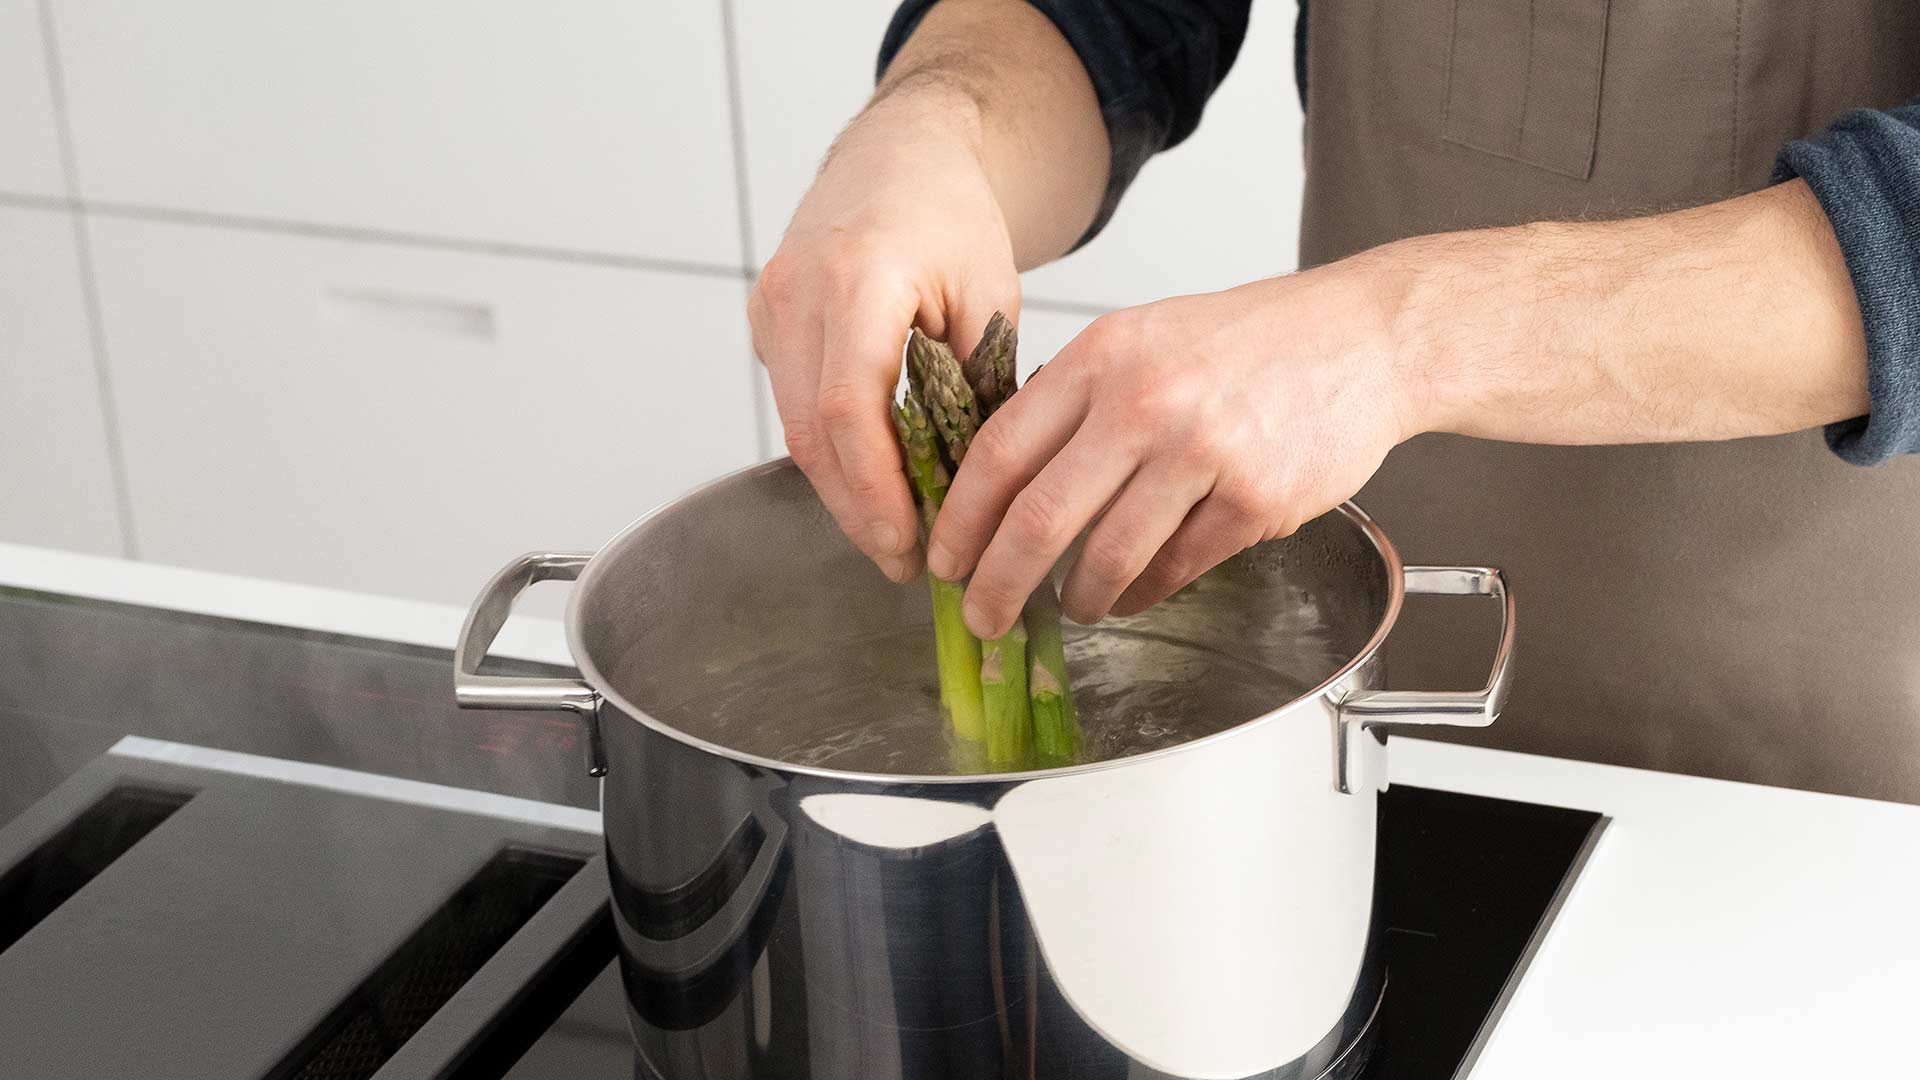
pixel 1006 455
pixel 1213 532
pixel 823 471
pixel 1039 524
pixel 859 368
pixel 1132 531
pixel 791 356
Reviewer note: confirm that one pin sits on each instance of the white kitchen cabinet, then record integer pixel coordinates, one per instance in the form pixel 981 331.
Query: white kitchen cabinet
pixel 56 480
pixel 402 421
pixel 1221 209
pixel 598 126
pixel 29 140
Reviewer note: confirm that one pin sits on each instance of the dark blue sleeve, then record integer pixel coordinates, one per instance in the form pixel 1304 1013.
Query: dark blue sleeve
pixel 1865 170
pixel 1153 64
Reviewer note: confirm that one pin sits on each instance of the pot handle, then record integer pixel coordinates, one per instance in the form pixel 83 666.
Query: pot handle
pixel 472 690
pixel 1459 708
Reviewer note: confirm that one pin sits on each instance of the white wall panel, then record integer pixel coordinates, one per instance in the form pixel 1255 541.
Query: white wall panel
pixel 600 125
pixel 29 143
pixel 56 483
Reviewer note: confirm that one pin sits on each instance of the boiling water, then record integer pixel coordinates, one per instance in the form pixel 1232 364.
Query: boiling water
pixel 873 704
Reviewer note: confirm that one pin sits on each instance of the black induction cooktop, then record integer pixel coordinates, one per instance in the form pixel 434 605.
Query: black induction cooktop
pixel 1470 885
pixel 307 863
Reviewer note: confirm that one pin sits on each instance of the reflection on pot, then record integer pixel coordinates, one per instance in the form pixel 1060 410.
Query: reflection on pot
pixel 901 894
pixel 1170 902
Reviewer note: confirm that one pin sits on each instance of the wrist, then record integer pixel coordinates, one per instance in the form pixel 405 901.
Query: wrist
pixel 998 78
pixel 1400 296
pixel 1454 307
pixel 925 103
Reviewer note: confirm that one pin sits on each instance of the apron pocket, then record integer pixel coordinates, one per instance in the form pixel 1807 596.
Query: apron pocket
pixel 1523 80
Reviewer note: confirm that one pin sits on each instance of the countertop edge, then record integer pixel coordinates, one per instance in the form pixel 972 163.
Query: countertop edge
pixel 307 607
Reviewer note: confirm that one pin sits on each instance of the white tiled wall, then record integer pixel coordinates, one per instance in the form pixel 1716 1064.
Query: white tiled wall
pixel 600 126
pixel 30 160
pixel 388 293
pixel 56 483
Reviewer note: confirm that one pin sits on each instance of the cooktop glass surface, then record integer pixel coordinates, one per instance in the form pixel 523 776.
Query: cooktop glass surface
pixel 1469 884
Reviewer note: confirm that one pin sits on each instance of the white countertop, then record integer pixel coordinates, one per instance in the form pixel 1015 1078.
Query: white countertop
pixel 1720 929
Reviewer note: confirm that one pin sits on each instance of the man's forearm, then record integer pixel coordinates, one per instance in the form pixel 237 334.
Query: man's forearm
pixel 1733 319
pixel 1001 75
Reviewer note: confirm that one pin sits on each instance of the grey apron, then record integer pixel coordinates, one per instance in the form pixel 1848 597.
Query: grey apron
pixel 1745 609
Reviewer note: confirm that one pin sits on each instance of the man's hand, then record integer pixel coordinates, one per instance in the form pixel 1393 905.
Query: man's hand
pixel 1187 430
pixel 901 228
pixel 1191 429
pixel 982 152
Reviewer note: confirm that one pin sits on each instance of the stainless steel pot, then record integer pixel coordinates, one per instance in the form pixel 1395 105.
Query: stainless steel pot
pixel 1204 911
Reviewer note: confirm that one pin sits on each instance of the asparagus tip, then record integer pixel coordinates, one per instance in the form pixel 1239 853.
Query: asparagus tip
pixel 989 369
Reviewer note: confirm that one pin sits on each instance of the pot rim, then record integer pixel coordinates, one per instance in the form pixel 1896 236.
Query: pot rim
pixel 597 567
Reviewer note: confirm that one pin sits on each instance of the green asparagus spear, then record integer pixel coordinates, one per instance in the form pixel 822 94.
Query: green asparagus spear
pixel 1003 686
pixel 1017 700
pixel 935 374
pixel 956 650
pixel 1056 727
pixel 990 368
pixel 924 467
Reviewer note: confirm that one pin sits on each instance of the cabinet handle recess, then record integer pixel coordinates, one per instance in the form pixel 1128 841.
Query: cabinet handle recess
pixel 387 310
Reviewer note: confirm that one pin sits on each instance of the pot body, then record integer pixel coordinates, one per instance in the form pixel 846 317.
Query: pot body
pixel 1208 914
pixel 1206 911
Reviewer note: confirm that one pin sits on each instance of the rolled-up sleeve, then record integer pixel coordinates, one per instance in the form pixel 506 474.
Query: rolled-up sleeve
pixel 1865 170
pixel 1153 64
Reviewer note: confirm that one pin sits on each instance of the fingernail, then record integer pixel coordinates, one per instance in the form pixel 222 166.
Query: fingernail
pixel 976 621
pixel 885 537
pixel 941 563
pixel 899 568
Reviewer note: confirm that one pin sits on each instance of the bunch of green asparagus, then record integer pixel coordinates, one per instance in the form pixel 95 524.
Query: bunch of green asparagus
pixel 1009 695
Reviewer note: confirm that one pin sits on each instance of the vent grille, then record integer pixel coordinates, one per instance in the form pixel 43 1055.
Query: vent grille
pixel 430 967
pixel 33 887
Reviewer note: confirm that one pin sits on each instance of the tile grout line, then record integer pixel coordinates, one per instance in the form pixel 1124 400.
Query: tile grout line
pixel 737 120
pixel 169 215
pixel 1066 307
pixel 25 201
pixel 743 196
pixel 356 234
pixel 416 240
pixel 89 288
